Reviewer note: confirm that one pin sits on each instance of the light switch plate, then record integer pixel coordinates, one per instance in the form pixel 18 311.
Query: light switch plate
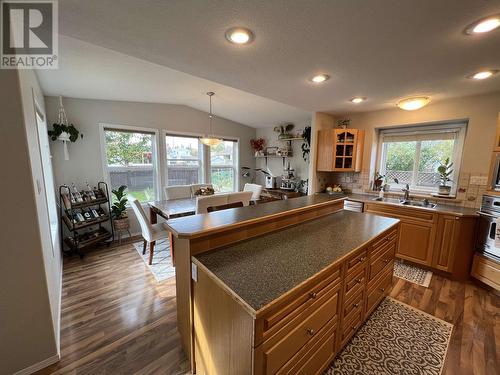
pixel 194 272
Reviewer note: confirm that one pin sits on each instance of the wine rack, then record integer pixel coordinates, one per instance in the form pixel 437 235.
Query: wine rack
pixel 84 214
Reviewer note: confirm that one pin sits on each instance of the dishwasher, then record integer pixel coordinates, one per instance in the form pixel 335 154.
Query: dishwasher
pixel 353 206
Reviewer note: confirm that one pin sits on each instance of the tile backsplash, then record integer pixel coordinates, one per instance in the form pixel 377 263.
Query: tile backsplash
pixel 471 186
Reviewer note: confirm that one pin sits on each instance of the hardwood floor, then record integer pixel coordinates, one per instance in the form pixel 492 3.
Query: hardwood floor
pixel 116 319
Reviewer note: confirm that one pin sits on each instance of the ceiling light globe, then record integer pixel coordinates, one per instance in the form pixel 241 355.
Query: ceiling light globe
pixel 487 25
pixel 412 104
pixel 320 78
pixel 239 35
pixel 358 100
pixel 482 75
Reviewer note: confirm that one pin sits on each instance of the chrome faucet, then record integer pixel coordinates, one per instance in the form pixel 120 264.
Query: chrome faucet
pixel 406 190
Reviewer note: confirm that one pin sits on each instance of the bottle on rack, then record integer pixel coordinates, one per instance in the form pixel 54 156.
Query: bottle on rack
pixel 97 193
pixel 78 197
pixel 90 192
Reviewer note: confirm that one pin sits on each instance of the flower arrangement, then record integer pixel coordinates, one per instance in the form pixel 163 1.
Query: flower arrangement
pixel 258 145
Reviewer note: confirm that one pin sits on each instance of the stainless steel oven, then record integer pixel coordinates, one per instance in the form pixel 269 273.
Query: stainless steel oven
pixel 485 240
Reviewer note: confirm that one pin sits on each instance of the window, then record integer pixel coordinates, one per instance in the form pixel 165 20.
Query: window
pixel 223 165
pixel 412 154
pixel 184 160
pixel 130 161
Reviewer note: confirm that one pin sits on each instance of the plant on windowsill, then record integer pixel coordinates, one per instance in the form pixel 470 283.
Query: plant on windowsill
pixel 445 171
pixel 119 209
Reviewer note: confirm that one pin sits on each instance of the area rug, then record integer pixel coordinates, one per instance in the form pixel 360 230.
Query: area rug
pixel 162 267
pixel 411 273
pixel 396 339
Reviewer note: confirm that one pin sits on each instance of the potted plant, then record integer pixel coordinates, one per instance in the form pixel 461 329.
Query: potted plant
pixel 306 145
pixel 284 131
pixel 119 209
pixel 445 171
pixel 64 132
pixel 258 146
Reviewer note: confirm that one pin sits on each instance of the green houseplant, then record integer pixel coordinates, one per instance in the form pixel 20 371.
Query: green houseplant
pixel 64 132
pixel 119 209
pixel 444 170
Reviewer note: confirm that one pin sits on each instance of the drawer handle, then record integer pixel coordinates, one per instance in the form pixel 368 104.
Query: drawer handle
pixel 313 295
pixel 310 332
pixel 355 305
pixel 355 327
pixel 362 259
pixel 388 239
pixel 382 290
pixel 386 261
pixel 358 281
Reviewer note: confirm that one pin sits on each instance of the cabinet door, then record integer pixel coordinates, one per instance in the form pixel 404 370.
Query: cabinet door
pixel 325 154
pixel 444 248
pixel 415 242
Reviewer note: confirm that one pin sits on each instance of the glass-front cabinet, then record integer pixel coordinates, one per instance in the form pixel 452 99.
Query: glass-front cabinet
pixel 340 150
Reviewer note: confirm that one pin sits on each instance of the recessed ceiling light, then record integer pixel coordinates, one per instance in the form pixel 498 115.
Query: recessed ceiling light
pixel 239 35
pixel 411 104
pixel 320 78
pixel 484 25
pixel 483 74
pixel 358 99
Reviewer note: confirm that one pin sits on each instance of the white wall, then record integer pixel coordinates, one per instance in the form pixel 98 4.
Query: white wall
pixel 276 165
pixel 29 271
pixel 85 155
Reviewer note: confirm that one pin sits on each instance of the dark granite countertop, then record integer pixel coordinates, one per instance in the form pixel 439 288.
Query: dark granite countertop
pixel 440 208
pixel 262 269
pixel 195 225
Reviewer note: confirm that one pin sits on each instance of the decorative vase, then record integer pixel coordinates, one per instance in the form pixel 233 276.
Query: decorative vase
pixel 444 190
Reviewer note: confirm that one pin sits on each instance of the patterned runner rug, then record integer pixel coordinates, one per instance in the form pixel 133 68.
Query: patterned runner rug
pixel 411 273
pixel 396 339
pixel 162 267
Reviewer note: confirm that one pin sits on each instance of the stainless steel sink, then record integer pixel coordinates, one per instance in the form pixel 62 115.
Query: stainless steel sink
pixel 419 204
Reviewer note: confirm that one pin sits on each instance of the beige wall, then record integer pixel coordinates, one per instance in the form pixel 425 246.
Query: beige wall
pixel 85 155
pixel 27 332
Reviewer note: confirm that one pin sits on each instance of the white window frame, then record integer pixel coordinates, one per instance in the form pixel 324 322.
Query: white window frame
pixel 202 173
pixel 235 166
pixel 436 127
pixel 155 153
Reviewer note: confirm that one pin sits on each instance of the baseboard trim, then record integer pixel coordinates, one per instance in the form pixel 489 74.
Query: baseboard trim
pixel 38 366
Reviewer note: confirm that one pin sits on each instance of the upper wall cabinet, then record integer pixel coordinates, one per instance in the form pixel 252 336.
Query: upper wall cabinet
pixel 340 150
pixel 497 138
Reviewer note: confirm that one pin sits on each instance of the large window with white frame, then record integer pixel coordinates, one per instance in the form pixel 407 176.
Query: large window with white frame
pixel 223 166
pixel 130 159
pixel 184 160
pixel 412 154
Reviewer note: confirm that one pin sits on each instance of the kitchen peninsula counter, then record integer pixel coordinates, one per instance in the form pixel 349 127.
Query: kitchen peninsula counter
pixel 265 268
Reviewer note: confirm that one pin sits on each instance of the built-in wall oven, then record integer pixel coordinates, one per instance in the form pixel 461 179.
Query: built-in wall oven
pixel 485 240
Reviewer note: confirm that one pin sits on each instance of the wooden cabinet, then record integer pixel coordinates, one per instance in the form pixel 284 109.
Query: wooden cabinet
pixel 496 146
pixel 486 270
pixel 442 241
pixel 301 331
pixel 340 150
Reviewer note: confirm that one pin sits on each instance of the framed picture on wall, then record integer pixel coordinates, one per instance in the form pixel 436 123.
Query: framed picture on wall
pixel 271 151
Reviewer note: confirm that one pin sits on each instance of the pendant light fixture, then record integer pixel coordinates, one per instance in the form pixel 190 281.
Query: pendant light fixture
pixel 210 139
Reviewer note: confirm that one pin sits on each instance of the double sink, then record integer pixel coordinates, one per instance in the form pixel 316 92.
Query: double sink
pixel 424 203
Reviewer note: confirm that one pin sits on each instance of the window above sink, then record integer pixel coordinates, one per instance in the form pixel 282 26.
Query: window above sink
pixel 411 154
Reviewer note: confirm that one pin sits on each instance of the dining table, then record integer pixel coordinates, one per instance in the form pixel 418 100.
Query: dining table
pixel 172 208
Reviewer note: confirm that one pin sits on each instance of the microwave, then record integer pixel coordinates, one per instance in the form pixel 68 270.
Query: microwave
pixel 495 179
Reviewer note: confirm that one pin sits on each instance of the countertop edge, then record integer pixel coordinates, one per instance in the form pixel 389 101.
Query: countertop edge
pixel 250 221
pixel 260 312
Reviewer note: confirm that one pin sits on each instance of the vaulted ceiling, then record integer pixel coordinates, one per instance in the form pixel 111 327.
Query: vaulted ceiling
pixel 379 49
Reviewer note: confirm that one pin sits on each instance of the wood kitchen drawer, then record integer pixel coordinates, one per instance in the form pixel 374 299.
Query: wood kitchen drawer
pixel 354 283
pixel 401 212
pixel 316 355
pixel 287 310
pixel 383 240
pixel 486 270
pixel 377 264
pixel 350 325
pixel 279 349
pixel 356 262
pixel 378 290
pixel 353 304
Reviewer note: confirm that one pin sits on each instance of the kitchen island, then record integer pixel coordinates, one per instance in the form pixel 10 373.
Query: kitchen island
pixel 288 301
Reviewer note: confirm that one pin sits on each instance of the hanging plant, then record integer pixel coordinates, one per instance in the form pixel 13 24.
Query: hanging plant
pixel 59 129
pixel 306 145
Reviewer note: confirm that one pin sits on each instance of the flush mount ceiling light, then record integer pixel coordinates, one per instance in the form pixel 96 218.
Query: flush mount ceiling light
pixel 414 103
pixel 320 78
pixel 239 35
pixel 357 99
pixel 484 25
pixel 482 74
pixel 209 139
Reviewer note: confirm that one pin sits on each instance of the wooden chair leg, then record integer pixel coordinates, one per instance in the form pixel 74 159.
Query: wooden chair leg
pixel 151 250
pixel 144 247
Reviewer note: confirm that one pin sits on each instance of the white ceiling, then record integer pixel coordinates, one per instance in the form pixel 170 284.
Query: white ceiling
pixel 381 49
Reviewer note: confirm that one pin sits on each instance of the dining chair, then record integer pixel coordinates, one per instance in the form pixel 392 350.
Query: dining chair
pixel 177 192
pixel 224 206
pixel 150 232
pixel 203 202
pixel 240 196
pixel 255 189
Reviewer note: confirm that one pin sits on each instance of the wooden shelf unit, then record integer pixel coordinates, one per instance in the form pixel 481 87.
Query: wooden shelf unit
pixel 340 150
